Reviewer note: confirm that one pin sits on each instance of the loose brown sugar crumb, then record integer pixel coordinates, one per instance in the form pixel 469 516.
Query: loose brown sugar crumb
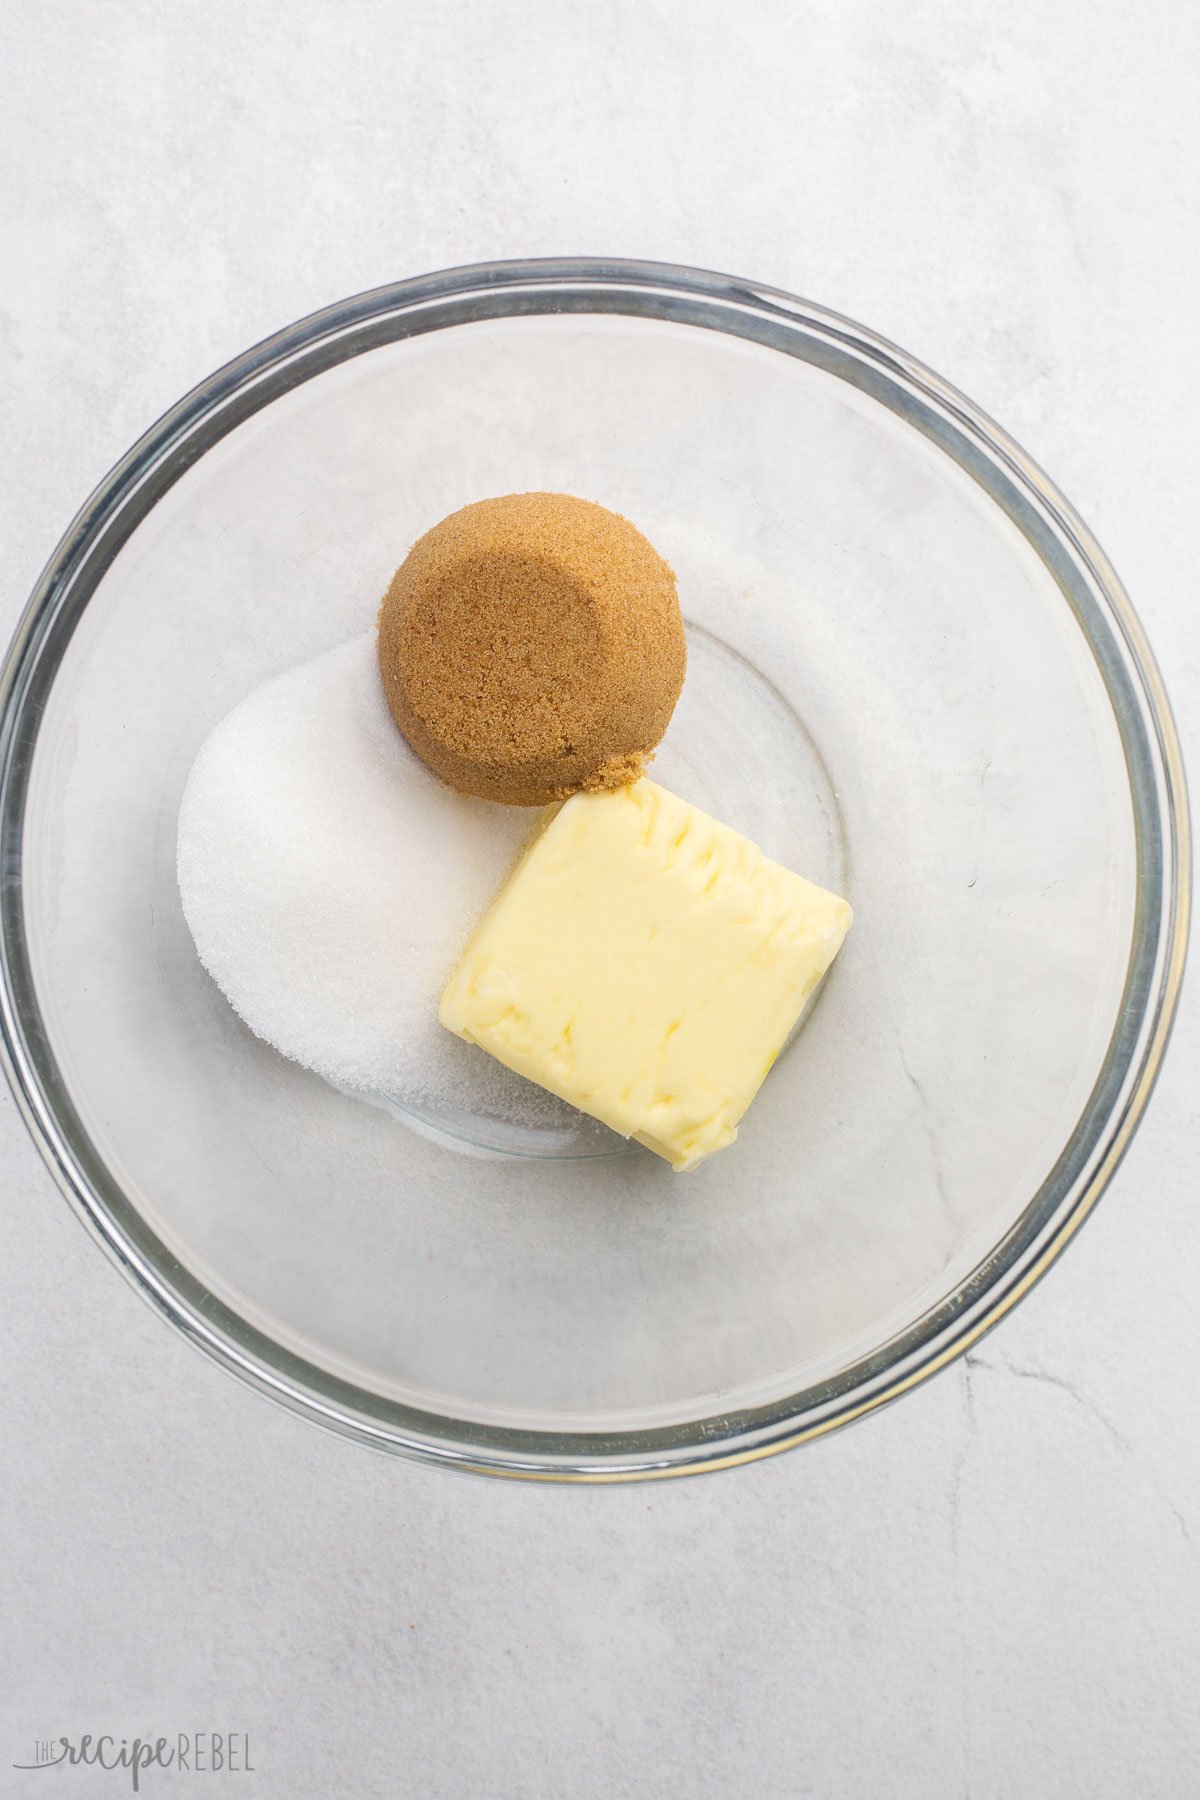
pixel 531 646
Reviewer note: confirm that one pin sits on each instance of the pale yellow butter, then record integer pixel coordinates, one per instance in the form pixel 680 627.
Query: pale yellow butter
pixel 646 964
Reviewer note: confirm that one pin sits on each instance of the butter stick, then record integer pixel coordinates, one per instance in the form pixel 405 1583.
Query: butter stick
pixel 646 964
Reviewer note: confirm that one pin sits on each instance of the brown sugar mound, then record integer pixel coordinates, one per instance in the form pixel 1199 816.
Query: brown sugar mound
pixel 532 646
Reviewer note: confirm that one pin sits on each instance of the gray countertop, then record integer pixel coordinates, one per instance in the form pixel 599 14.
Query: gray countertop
pixel 990 1590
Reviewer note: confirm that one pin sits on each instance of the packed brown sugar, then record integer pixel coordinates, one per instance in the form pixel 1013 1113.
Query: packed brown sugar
pixel 532 646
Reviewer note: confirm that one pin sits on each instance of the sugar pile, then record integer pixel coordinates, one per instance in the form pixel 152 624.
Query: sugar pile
pixel 330 882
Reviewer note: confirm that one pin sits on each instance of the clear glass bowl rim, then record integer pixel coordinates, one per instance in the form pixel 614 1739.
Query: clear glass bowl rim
pixel 1089 584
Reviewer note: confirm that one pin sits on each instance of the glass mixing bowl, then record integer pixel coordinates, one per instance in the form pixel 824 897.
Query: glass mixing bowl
pixel 914 672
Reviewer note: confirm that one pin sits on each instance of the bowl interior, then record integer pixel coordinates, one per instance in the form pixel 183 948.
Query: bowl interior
pixel 948 751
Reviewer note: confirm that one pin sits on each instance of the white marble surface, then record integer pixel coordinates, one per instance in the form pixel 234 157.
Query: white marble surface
pixel 992 1590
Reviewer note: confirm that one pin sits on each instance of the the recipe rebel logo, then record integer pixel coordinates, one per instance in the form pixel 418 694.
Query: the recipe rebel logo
pixel 190 1752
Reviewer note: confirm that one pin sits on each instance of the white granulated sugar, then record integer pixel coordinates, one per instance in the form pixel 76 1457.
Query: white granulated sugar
pixel 330 881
